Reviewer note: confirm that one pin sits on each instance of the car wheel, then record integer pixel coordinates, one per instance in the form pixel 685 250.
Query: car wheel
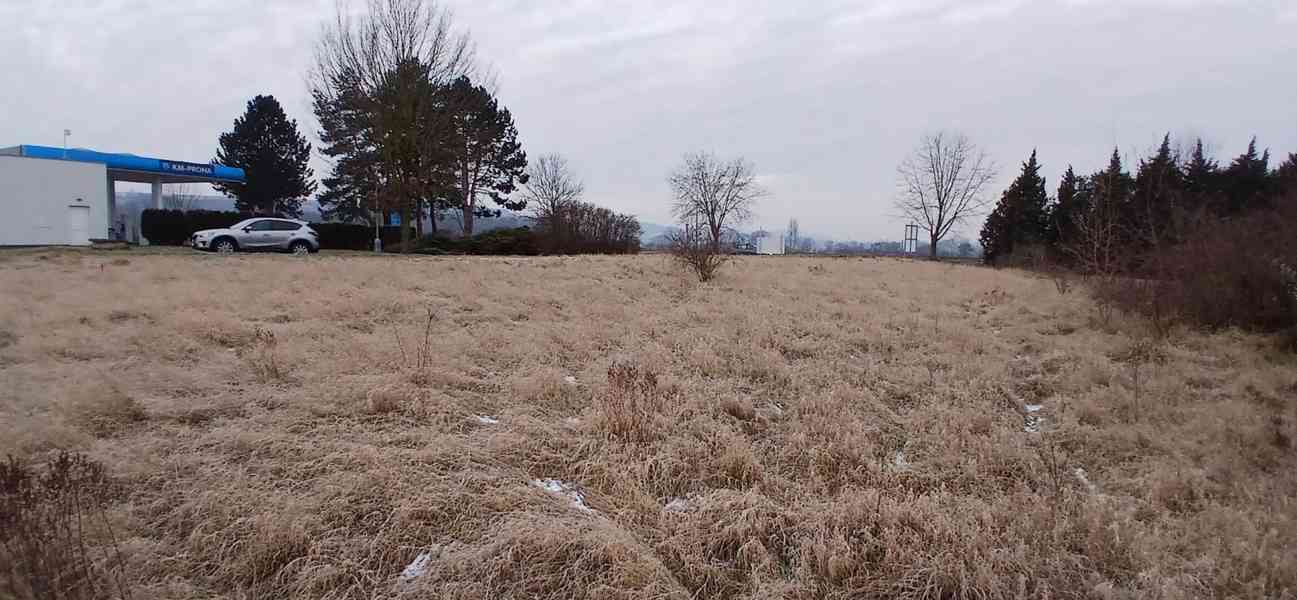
pixel 224 246
pixel 300 248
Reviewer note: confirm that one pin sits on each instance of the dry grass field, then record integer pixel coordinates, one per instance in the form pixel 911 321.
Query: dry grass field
pixel 605 427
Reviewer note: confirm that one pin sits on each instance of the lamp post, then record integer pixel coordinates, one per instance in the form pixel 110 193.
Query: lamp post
pixel 378 227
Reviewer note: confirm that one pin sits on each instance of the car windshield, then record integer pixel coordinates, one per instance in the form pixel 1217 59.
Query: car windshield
pixel 243 223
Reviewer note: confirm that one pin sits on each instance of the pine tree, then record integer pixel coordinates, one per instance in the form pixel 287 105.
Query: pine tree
pixel 351 186
pixel 486 156
pixel 997 232
pixel 1201 178
pixel 1246 181
pixel 1020 218
pixel 1112 191
pixel 274 157
pixel 1158 189
pixel 1286 178
pixel 1062 215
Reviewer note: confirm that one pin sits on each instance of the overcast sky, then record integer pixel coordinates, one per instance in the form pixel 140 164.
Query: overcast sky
pixel 825 97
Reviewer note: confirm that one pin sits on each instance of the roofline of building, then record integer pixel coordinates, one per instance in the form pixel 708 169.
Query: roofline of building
pixel 164 168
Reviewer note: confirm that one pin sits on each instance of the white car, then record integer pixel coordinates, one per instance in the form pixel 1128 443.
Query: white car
pixel 283 235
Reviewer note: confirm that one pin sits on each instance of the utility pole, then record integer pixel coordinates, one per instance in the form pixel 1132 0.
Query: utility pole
pixel 378 226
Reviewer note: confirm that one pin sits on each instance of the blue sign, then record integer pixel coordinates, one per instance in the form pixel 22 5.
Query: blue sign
pixel 187 168
pixel 394 219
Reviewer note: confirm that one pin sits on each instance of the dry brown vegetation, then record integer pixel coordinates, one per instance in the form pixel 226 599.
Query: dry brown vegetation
pixel 797 428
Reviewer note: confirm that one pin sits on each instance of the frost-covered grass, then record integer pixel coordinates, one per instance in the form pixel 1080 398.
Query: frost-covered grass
pixel 606 427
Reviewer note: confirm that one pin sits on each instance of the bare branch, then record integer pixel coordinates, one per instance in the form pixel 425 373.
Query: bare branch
pixel 550 186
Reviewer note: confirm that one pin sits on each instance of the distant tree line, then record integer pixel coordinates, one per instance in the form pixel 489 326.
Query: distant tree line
pixel 1182 236
pixel 1111 219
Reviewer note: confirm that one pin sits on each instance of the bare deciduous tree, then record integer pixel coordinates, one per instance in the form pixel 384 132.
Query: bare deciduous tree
pixel 714 194
pixel 941 184
pixel 181 197
pixel 552 190
pixel 550 186
pixel 694 248
pixel 1096 250
pixel 370 48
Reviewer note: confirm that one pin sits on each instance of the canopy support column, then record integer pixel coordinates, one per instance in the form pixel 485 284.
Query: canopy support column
pixel 157 193
pixel 114 233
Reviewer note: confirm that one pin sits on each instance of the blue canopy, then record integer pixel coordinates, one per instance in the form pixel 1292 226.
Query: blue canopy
pixel 124 165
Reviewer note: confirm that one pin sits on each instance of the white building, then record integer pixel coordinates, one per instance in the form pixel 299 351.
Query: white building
pixel 56 196
pixel 770 242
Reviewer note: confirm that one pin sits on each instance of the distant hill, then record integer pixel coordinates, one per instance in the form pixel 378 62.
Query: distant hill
pixel 653 234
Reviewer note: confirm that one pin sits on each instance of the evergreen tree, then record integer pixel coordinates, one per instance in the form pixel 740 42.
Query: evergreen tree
pixel 1112 188
pixel 274 156
pixel 1286 178
pixel 1246 181
pixel 1068 204
pixel 487 159
pixel 1020 218
pixel 1201 178
pixel 411 126
pixel 351 187
pixel 1158 188
pixel 997 231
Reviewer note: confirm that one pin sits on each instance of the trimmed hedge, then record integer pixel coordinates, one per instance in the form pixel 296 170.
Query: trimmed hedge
pixel 519 241
pixel 164 227
pixel 349 236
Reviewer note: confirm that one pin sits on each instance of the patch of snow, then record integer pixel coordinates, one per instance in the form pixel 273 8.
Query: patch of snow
pixel 1081 477
pixel 899 460
pixel 1032 423
pixel 485 420
pixel 417 567
pixel 678 505
pixel 570 380
pixel 561 488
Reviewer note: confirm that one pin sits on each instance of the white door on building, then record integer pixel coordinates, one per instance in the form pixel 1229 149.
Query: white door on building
pixel 78 225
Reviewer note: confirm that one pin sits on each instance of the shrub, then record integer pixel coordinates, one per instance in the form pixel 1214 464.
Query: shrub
pixel 55 540
pixel 518 241
pixel 583 228
pixel 1231 273
pixel 104 411
pixel 264 357
pixel 163 227
pixel 353 236
pixel 632 404
pixel 692 250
